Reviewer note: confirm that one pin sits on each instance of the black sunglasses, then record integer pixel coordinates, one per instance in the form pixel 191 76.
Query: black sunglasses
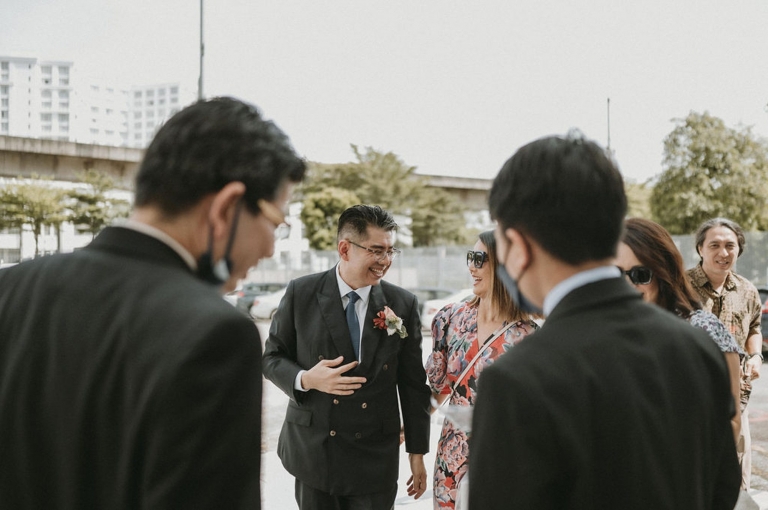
pixel 639 275
pixel 477 258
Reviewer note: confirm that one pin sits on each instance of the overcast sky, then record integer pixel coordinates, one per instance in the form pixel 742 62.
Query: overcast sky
pixel 452 87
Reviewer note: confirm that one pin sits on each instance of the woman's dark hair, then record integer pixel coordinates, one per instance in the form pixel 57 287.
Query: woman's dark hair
pixel 501 304
pixel 655 249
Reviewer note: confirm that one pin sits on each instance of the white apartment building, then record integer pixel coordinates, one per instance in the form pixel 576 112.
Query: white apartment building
pixel 36 98
pixel 50 99
pixel 150 107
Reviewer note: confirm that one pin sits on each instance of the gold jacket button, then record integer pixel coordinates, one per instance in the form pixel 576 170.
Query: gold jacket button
pixel 335 400
pixel 333 433
pixel 364 406
pixel 358 435
pixel 385 367
pixel 321 357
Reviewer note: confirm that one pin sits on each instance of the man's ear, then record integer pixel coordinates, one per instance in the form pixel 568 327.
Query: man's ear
pixel 223 207
pixel 343 248
pixel 519 253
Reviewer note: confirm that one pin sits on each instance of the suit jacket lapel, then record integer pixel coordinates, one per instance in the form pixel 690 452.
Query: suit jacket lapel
pixel 372 336
pixel 332 312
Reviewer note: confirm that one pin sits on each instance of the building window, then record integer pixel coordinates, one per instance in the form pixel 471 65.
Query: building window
pixel 94 109
pixel 45 117
pixel 63 94
pixel 109 133
pixel 137 94
pixel 45 69
pixel 94 88
pixel 63 71
pixel 46 105
pixel 3 90
pixel 3 66
pixel 45 93
pixel 4 114
pixel 150 124
pixel 4 127
pixel 137 125
pixel 136 115
pixel 150 114
pixel 137 136
pixel 94 131
pixel 64 81
pixel 174 100
pixel 63 117
pixel 174 90
pixel 5 102
pixel 46 128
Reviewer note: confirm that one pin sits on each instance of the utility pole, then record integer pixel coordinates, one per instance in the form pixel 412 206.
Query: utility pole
pixel 609 124
pixel 202 52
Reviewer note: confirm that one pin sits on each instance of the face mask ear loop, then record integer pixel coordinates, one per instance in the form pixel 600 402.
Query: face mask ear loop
pixel 235 221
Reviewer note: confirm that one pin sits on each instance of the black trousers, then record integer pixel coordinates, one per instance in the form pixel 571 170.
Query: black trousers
pixel 310 498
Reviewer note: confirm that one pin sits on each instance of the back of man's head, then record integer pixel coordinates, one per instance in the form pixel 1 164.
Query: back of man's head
pixel 208 145
pixel 566 194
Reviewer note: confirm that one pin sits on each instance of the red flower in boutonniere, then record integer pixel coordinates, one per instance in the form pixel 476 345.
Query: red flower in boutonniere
pixel 386 319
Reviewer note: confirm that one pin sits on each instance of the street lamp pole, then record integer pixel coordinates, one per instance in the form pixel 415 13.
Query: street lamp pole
pixel 202 52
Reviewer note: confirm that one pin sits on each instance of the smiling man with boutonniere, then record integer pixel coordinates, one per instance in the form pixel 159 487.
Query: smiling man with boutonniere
pixel 345 346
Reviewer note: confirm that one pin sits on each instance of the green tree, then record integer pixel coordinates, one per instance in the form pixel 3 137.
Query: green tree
pixel 91 208
pixel 33 202
pixel 320 212
pixel 386 180
pixel 711 170
pixel 638 199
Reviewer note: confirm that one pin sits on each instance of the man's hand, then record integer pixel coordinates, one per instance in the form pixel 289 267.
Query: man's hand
pixel 324 377
pixel 752 367
pixel 417 483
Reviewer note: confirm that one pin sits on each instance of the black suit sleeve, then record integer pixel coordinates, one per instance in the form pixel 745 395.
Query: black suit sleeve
pixel 204 440
pixel 280 351
pixel 510 431
pixel 412 386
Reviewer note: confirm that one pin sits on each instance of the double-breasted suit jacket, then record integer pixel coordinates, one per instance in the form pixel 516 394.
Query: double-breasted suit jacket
pixel 347 445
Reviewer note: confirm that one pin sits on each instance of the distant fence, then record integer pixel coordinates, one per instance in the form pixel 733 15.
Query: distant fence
pixel 445 266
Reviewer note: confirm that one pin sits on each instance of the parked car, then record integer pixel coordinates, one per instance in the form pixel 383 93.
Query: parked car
pixel 433 306
pixel 243 297
pixel 764 319
pixel 424 294
pixel 265 306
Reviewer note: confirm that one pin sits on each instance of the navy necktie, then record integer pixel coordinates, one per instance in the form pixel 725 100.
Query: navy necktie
pixel 353 323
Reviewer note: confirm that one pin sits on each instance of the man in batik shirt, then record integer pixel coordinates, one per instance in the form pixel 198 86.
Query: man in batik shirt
pixel 736 302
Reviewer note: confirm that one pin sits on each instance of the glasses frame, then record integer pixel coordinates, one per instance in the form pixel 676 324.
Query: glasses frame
pixel 379 255
pixel 634 276
pixel 473 256
pixel 275 216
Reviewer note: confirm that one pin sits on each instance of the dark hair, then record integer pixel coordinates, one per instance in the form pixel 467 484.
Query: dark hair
pixel 206 146
pixel 501 304
pixel 355 220
pixel 655 249
pixel 566 194
pixel 701 232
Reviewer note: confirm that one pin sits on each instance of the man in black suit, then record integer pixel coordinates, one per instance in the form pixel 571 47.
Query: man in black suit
pixel 614 403
pixel 126 381
pixel 343 374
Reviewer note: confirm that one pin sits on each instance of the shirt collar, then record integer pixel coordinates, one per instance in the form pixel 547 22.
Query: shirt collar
pixel 563 288
pixel 345 289
pixel 701 279
pixel 163 238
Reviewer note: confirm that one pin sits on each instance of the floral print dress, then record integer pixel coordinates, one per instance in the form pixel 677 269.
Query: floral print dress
pixel 454 330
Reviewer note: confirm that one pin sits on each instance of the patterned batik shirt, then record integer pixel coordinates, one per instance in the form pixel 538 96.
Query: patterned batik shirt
pixel 738 307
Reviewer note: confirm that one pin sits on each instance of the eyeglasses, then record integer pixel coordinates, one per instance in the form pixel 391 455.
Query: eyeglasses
pixel 379 255
pixel 276 217
pixel 476 258
pixel 639 275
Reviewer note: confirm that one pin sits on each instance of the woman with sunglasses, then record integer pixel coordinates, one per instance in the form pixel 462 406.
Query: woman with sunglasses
pixel 468 336
pixel 652 263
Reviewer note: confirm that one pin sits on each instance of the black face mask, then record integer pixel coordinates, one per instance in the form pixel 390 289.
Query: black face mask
pixel 513 290
pixel 218 273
